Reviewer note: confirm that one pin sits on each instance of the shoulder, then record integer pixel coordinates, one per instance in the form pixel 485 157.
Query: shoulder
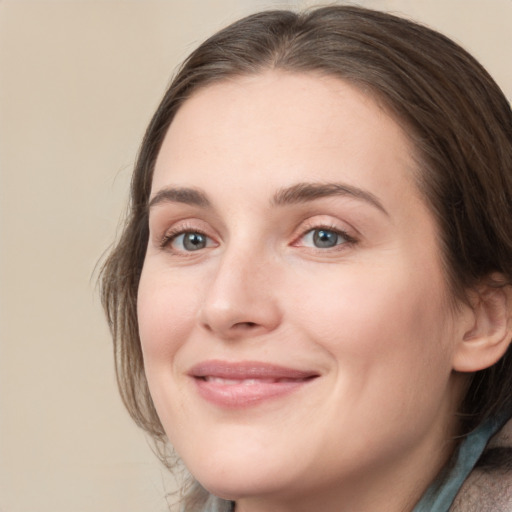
pixel 488 488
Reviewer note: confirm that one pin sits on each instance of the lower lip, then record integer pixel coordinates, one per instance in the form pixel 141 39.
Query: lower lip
pixel 244 394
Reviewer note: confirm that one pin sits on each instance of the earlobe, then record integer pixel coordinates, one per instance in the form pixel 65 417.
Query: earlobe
pixel 490 334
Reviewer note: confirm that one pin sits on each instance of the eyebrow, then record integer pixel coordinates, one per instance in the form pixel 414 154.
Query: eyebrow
pixel 295 194
pixel 305 192
pixel 189 196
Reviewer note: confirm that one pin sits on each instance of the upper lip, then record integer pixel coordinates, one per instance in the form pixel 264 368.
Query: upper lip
pixel 248 370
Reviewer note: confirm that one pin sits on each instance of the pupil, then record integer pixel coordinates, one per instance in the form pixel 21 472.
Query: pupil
pixel 194 241
pixel 323 238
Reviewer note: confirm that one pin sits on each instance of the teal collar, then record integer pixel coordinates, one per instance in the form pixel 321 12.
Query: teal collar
pixel 440 495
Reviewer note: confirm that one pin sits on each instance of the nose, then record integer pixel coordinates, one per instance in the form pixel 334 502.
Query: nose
pixel 240 299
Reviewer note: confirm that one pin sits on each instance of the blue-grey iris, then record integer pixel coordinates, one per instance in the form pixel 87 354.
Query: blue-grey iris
pixel 323 238
pixel 194 241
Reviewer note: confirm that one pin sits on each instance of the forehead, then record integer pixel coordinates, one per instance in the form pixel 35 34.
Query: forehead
pixel 274 124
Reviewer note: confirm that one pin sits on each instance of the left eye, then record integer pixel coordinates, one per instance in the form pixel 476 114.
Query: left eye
pixel 191 241
pixel 324 238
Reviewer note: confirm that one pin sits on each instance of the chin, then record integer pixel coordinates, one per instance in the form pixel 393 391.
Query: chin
pixel 234 480
pixel 238 485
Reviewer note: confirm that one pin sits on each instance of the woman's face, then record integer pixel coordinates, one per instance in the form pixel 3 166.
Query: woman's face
pixel 293 310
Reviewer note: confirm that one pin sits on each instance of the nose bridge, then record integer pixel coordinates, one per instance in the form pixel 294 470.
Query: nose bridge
pixel 240 298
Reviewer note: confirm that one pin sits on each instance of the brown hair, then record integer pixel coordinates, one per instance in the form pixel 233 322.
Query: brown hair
pixel 455 114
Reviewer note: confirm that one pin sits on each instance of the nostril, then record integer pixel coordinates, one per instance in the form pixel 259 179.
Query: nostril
pixel 245 325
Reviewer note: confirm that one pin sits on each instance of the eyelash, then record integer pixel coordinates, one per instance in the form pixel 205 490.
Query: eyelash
pixel 349 240
pixel 170 236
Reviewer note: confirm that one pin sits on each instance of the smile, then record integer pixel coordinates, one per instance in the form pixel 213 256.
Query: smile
pixel 245 382
pixel 239 385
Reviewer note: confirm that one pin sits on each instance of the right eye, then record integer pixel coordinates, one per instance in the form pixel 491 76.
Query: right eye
pixel 188 241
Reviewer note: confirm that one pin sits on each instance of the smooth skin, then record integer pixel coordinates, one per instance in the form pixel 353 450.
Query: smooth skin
pixel 286 228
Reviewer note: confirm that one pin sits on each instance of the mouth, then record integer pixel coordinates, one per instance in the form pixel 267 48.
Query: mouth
pixel 243 384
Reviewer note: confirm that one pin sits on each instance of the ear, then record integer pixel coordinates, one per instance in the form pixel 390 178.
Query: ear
pixel 488 333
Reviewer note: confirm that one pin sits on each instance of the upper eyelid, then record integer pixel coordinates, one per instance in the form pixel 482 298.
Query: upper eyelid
pixel 164 224
pixel 181 227
pixel 162 218
pixel 175 233
pixel 329 222
pixel 163 230
pixel 349 239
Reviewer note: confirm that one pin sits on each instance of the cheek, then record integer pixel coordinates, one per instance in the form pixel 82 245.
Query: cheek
pixel 390 341
pixel 381 318
pixel 166 312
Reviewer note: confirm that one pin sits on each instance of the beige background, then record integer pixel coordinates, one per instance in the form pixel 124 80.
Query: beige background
pixel 78 83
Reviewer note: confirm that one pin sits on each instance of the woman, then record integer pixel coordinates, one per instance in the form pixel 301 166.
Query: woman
pixel 311 298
